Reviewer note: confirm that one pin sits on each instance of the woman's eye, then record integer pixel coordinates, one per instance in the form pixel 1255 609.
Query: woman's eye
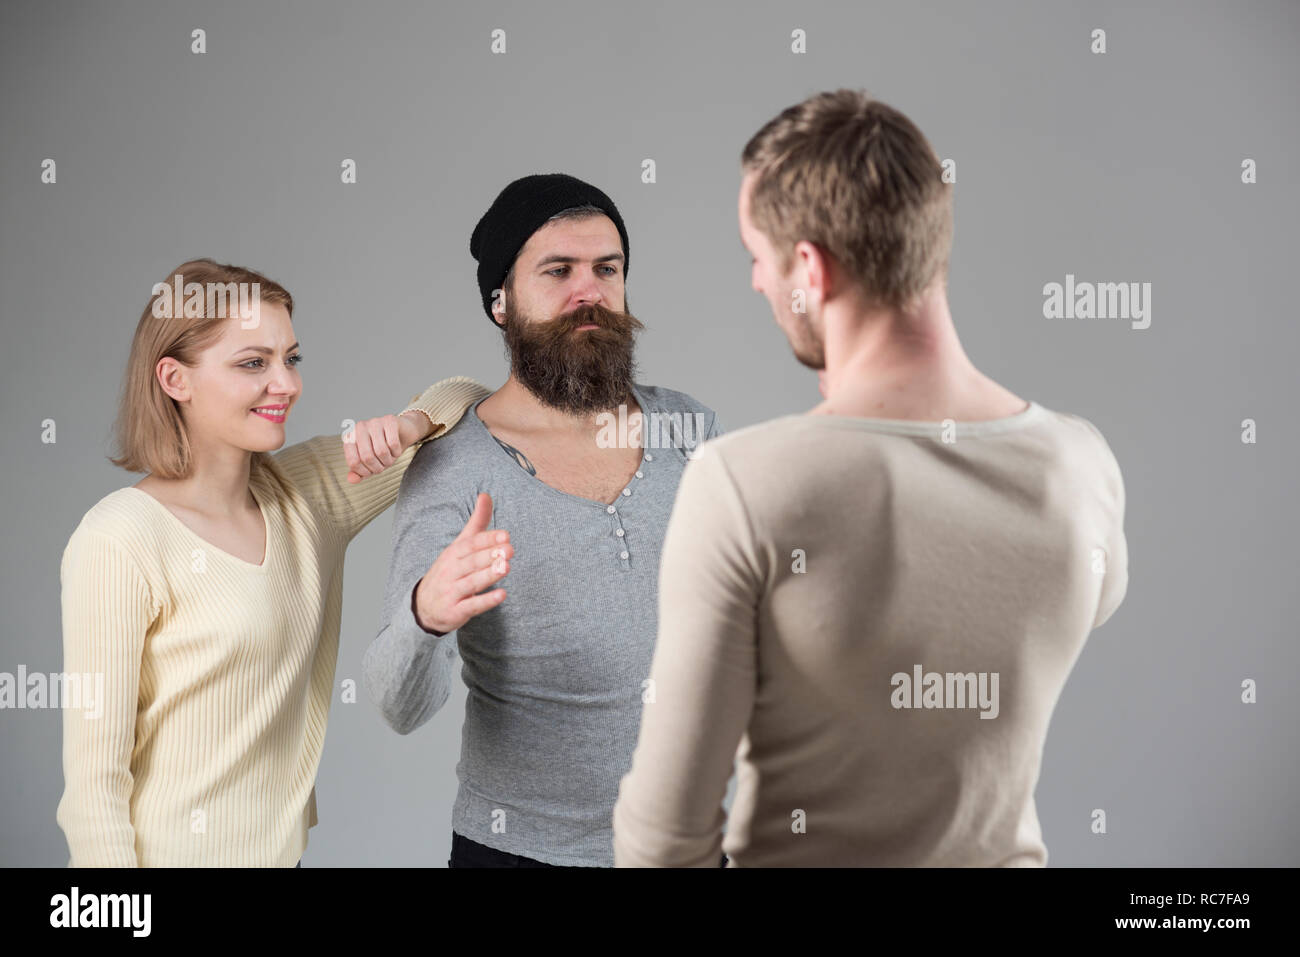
pixel 293 360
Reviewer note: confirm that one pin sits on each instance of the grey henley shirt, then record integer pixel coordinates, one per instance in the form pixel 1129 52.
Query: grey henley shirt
pixel 555 673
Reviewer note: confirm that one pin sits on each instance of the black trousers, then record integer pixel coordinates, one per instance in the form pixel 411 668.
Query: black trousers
pixel 467 853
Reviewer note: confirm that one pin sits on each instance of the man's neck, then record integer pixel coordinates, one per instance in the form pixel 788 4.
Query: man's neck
pixel 512 407
pixel 902 365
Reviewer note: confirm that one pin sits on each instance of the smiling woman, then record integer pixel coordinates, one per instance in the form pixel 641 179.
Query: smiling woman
pixel 151 433
pixel 209 594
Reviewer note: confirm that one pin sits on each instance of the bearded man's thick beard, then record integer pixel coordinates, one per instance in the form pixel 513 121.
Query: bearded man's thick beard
pixel 576 372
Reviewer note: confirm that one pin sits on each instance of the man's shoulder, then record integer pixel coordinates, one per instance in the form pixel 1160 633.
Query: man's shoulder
pixel 1081 427
pixel 771 439
pixel 1080 441
pixel 460 451
pixel 663 399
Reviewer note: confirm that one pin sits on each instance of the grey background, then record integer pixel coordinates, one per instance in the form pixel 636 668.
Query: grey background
pixel 1116 167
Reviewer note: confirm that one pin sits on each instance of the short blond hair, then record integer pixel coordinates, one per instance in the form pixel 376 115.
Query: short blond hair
pixel 859 180
pixel 150 433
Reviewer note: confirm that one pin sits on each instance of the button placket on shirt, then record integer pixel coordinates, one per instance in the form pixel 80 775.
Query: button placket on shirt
pixel 619 531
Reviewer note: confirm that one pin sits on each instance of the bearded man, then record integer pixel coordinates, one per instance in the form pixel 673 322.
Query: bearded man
pixel 536 483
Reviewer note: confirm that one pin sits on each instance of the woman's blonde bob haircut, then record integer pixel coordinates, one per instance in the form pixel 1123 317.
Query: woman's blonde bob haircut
pixel 150 432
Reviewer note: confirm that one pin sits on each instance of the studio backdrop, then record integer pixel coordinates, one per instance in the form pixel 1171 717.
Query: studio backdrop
pixel 347 149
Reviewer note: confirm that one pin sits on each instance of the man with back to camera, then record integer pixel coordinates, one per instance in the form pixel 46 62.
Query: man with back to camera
pixel 880 600
pixel 576 465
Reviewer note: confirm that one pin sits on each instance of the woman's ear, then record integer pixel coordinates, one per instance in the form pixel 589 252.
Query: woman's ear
pixel 173 379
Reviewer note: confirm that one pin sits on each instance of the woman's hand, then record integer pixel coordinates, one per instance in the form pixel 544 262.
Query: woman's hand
pixel 374 444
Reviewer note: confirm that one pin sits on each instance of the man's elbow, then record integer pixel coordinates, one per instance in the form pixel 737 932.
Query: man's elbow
pixel 396 709
pixel 397 718
pixel 404 722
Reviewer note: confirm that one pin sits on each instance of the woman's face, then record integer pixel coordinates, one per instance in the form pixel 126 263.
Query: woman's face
pixel 246 383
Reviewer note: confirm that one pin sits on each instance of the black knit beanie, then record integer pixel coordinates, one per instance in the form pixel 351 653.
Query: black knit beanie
pixel 518 212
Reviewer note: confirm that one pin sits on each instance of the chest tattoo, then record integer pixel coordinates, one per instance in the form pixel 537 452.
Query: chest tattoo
pixel 518 456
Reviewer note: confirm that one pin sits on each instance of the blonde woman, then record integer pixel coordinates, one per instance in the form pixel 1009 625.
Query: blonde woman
pixel 208 594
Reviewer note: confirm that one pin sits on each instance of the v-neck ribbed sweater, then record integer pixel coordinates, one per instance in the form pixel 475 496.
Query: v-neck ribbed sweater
pixel 217 673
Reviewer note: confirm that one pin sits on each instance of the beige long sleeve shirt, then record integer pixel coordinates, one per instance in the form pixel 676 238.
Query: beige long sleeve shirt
pixel 874 620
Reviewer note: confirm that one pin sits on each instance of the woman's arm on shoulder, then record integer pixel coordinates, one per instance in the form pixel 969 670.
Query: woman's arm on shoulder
pixel 320 466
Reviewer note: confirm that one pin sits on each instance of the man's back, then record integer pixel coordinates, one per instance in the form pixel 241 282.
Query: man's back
pixel 889 618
